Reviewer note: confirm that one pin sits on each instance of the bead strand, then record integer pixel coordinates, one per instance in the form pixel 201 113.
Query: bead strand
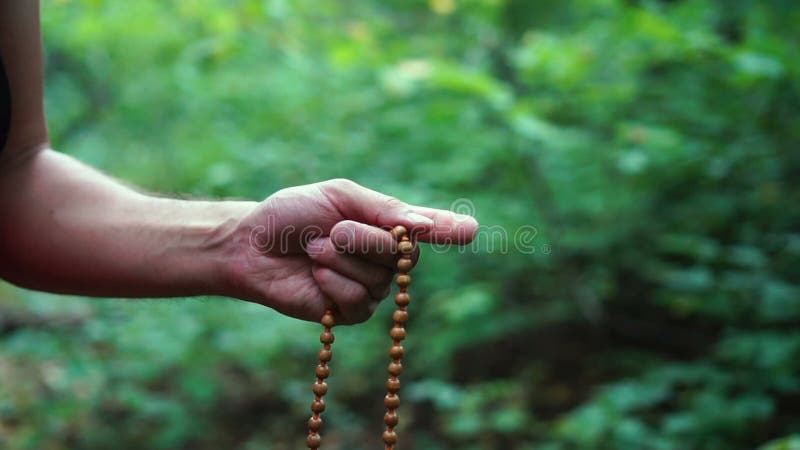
pixel 398 333
pixel 314 440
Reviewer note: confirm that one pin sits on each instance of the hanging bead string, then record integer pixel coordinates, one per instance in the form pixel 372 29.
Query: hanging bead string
pixel 398 333
pixel 320 387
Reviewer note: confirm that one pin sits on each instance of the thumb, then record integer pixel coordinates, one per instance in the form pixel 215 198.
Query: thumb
pixel 355 202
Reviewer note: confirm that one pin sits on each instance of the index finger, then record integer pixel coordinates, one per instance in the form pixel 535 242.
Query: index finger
pixel 355 202
pixel 448 227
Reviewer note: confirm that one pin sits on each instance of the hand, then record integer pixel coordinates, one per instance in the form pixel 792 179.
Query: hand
pixel 307 247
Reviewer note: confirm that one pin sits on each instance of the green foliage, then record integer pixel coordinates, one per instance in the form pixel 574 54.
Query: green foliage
pixel 651 145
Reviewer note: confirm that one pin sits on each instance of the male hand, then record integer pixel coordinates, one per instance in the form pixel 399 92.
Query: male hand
pixel 327 244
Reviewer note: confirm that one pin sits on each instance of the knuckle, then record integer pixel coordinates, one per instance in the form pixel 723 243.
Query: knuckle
pixel 353 303
pixel 343 236
pixel 340 183
pixel 346 227
pixel 381 285
pixel 381 292
pixel 355 295
pixel 344 224
pixel 325 258
pixel 392 203
pixel 361 310
pixel 321 275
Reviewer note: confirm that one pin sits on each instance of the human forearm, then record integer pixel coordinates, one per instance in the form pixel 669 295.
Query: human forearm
pixel 67 228
pixel 70 229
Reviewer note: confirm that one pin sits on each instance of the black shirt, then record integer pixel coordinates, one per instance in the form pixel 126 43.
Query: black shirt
pixel 5 106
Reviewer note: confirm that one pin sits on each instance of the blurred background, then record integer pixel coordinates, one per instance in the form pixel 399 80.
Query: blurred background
pixel 634 164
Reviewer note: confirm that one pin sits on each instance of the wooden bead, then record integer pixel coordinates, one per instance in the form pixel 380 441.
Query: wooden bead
pixel 393 385
pixel 323 372
pixel 395 368
pixel 326 337
pixel 398 333
pixel 313 440
pixel 391 419
pixel 389 437
pixel 400 316
pixel 327 320
pixel 403 280
pixel 399 232
pixel 315 424
pixel 318 406
pixel 325 355
pixel 396 352
pixel 392 401
pixel 405 247
pixel 405 265
pixel 320 388
pixel 402 299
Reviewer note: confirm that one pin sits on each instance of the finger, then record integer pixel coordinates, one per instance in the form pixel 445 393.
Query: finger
pixel 351 298
pixel 371 243
pixel 366 241
pixel 448 228
pixel 375 277
pixel 374 208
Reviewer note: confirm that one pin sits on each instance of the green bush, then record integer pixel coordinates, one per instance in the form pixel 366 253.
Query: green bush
pixel 648 147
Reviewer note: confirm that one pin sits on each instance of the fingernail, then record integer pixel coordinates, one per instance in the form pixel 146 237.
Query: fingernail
pixel 419 218
pixel 314 247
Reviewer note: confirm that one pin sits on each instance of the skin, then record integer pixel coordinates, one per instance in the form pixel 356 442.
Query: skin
pixel 68 228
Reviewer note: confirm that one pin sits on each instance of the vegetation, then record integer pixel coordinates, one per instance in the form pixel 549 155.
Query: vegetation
pixel 641 157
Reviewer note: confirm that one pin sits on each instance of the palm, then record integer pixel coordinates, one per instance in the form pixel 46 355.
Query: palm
pixel 280 270
pixel 286 283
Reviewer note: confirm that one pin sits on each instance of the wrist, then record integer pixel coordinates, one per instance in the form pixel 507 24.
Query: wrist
pixel 230 244
pixel 200 258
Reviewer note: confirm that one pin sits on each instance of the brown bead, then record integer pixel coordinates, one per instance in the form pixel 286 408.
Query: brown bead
pixel 395 368
pixel 400 316
pixel 327 320
pixel 389 437
pixel 393 385
pixel 326 337
pixel 315 423
pixel 320 388
pixel 392 401
pixel 398 333
pixel 323 371
pixel 325 355
pixel 403 280
pixel 405 247
pixel 402 299
pixel 391 419
pixel 399 232
pixel 396 352
pixel 313 440
pixel 318 406
pixel 405 265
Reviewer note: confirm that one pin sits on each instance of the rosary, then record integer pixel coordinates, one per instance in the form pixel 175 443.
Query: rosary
pixel 398 333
